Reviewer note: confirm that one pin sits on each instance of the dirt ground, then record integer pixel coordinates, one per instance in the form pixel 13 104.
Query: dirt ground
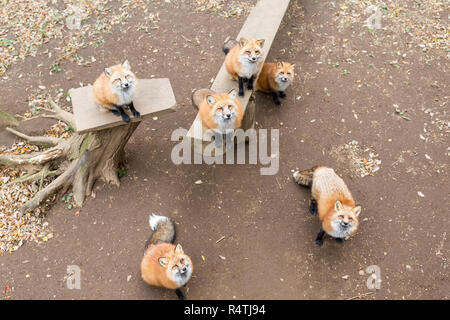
pixel 349 83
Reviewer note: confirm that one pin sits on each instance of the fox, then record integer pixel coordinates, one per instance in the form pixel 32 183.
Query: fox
pixel 243 60
pixel 332 201
pixel 115 89
pixel 220 111
pixel 163 263
pixel 275 78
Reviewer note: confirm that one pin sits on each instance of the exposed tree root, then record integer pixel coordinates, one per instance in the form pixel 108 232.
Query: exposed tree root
pixel 78 161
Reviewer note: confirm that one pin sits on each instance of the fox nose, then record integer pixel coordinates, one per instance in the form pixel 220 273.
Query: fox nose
pixel 345 224
pixel 184 269
pixel 228 116
pixel 126 84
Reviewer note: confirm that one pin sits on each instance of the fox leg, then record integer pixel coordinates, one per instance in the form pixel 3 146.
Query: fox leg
pixel 282 94
pixel 135 113
pixel 319 239
pixel 241 86
pixel 275 98
pixel 119 111
pixel 218 139
pixel 180 294
pixel 229 140
pixel 313 206
pixel 340 240
pixel 250 83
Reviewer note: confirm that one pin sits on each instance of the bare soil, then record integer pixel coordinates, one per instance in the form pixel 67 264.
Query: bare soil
pixel 268 251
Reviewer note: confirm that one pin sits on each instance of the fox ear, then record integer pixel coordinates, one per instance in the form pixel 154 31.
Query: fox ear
pixel 357 210
pixel 232 94
pixel 126 65
pixel 293 66
pixel 279 64
pixel 242 42
pixel 178 248
pixel 108 72
pixel 261 42
pixel 163 261
pixel 338 206
pixel 211 100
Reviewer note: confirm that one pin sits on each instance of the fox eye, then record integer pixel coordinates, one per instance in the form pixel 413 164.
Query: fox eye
pixel 341 216
pixel 219 109
pixel 350 219
pixel 257 52
pixel 230 107
pixel 248 52
pixel 282 72
pixel 182 261
pixel 288 73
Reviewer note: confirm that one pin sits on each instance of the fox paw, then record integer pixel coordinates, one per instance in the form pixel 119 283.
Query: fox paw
pixel 283 95
pixel 241 93
pixel 136 114
pixel 250 85
pixel 277 102
pixel 339 240
pixel 125 118
pixel 319 242
pixel 115 112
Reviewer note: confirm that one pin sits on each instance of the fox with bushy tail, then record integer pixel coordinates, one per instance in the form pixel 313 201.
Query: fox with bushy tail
pixel 164 264
pixel 332 200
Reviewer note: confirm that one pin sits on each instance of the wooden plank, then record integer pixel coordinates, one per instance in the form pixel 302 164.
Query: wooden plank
pixel 262 23
pixel 154 98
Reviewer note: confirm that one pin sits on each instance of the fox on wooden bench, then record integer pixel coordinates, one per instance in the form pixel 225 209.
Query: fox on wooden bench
pixel 244 60
pixel 101 120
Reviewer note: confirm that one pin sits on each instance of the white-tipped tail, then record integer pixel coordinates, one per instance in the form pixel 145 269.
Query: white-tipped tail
pixel 295 176
pixel 154 221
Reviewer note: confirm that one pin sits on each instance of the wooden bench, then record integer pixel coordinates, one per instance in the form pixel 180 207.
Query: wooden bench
pixel 154 97
pixel 100 137
pixel 262 23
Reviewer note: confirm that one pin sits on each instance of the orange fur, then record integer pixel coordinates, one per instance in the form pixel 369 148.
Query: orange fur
pixel 327 189
pixel 153 272
pixel 267 78
pixel 222 100
pixel 103 94
pixel 232 63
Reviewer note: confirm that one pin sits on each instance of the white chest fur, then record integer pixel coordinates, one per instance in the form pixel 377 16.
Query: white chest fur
pixel 248 69
pixel 125 96
pixel 282 86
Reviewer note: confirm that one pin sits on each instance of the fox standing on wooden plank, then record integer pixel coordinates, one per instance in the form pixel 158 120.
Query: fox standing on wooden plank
pixel 243 60
pixel 275 78
pixel 220 111
pixel 164 264
pixel 115 89
pixel 331 198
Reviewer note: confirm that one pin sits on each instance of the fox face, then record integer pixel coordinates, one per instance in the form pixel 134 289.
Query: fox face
pixel 177 265
pixel 344 221
pixel 251 49
pixel 122 81
pixel 284 74
pixel 224 110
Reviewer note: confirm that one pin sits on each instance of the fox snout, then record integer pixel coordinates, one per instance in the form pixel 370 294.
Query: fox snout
pixel 345 224
pixel 253 59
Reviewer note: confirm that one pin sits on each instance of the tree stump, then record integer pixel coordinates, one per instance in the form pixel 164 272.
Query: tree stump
pixel 94 151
